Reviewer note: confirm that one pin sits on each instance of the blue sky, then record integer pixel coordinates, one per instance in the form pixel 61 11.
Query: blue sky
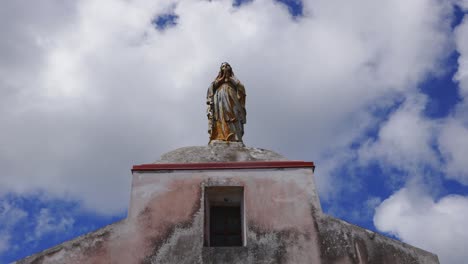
pixel 373 93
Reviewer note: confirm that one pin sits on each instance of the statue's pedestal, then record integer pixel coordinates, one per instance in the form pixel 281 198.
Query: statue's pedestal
pixel 229 204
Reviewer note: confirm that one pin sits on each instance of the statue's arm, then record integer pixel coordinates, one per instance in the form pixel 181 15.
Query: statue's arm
pixel 241 93
pixel 241 96
pixel 210 100
pixel 210 107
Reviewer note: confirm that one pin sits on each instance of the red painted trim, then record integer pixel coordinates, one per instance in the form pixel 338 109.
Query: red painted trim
pixel 224 165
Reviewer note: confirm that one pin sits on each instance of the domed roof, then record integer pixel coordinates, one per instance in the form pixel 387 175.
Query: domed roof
pixel 219 152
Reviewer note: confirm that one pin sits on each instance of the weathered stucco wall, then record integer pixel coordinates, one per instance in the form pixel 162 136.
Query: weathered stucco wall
pixel 279 206
pixel 283 220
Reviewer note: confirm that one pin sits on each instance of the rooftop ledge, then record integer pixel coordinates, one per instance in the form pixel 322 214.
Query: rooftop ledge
pixel 224 165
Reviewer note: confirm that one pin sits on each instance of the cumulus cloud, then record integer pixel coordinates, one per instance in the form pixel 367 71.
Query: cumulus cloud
pixel 4 243
pixel 10 215
pixel 411 213
pixel 461 40
pixel 434 225
pixel 462 3
pixel 453 144
pixel 89 88
pixel 412 142
pixel 404 141
pixel 453 139
pixel 104 89
pixel 46 222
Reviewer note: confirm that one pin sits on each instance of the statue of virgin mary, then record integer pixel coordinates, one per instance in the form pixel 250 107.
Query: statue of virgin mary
pixel 226 106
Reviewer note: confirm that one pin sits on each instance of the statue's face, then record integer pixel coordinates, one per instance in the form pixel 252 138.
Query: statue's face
pixel 225 68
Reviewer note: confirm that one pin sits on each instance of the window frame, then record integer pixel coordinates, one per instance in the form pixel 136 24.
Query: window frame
pixel 223 196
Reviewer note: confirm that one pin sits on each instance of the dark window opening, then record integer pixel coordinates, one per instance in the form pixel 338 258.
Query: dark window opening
pixel 225 226
pixel 224 217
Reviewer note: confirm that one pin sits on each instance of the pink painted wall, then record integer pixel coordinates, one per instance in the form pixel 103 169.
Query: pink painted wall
pixel 283 224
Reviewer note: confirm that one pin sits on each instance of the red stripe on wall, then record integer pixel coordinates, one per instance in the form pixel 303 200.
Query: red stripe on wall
pixel 224 165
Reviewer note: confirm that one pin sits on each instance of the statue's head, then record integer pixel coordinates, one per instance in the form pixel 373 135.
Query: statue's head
pixel 225 70
pixel 225 67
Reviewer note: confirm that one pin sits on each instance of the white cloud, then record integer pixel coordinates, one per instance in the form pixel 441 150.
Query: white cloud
pixel 404 141
pixel 102 89
pixel 462 3
pixel 453 139
pixel 88 89
pixel 4 242
pixel 46 223
pixel 461 40
pixel 436 226
pixel 10 215
pixel 453 144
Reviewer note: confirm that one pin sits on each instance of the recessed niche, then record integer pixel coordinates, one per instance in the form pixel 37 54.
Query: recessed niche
pixel 224 216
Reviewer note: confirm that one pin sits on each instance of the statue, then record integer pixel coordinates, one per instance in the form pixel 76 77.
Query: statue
pixel 226 107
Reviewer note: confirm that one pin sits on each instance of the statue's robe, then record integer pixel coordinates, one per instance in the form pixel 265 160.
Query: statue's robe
pixel 226 111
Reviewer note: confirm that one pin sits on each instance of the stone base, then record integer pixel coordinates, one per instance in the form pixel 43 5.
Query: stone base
pixel 226 143
pixel 219 152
